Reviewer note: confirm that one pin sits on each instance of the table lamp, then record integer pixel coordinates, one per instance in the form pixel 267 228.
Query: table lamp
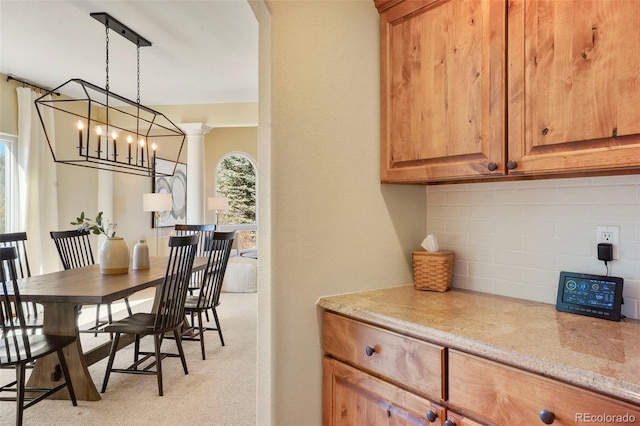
pixel 218 204
pixel 156 203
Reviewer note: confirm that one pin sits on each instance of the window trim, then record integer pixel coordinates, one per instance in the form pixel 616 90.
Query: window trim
pixel 11 181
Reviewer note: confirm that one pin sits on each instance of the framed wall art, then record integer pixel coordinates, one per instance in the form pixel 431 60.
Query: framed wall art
pixel 176 185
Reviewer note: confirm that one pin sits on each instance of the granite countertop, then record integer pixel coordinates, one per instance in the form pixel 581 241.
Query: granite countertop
pixel 595 354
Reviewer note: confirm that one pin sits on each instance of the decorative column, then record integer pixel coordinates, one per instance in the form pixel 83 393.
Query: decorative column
pixel 195 171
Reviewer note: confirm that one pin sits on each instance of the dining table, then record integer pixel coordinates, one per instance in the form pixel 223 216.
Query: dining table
pixel 61 294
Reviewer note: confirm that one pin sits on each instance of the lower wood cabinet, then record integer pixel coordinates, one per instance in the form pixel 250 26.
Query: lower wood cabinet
pixel 352 397
pixel 374 376
pixel 509 396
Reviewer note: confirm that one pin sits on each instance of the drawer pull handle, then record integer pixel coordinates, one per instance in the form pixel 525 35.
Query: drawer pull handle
pixel 547 417
pixel 431 416
pixel 369 350
pixel 492 166
pixel 449 423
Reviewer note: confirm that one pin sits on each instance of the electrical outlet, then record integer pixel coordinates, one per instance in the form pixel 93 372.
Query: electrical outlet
pixel 611 235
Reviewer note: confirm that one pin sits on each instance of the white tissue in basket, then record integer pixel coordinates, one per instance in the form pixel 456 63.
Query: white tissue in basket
pixel 430 243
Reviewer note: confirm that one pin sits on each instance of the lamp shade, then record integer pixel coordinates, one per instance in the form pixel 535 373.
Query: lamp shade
pixel 156 202
pixel 218 203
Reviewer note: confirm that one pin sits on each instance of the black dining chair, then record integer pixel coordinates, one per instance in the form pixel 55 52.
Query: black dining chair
pixel 18 349
pixel 206 235
pixel 167 317
pixel 210 288
pixel 18 240
pixel 74 248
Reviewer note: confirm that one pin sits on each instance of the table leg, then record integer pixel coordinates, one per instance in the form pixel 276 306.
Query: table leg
pixel 62 319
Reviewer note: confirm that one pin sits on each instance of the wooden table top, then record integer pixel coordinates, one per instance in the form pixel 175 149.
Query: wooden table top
pixel 88 286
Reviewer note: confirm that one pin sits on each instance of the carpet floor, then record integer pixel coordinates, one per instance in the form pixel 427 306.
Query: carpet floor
pixel 220 390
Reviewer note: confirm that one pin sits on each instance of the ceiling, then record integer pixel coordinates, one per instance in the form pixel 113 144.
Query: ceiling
pixel 202 52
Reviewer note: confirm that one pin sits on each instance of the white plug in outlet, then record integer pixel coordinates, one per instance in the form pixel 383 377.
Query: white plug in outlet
pixel 611 235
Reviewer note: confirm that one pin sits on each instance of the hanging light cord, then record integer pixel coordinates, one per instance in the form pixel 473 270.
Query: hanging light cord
pixel 106 30
pixel 138 65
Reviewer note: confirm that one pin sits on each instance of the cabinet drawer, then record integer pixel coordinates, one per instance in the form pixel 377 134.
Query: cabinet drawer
pixel 412 363
pixel 505 395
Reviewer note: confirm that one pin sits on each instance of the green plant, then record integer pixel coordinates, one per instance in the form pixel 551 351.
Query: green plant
pixel 96 226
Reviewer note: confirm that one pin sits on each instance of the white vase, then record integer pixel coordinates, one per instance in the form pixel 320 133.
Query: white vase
pixel 114 256
pixel 141 255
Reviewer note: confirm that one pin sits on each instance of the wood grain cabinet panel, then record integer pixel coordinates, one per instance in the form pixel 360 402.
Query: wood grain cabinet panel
pixel 414 364
pixel 574 85
pixel 454 419
pixel 352 397
pixel 442 86
pixel 508 396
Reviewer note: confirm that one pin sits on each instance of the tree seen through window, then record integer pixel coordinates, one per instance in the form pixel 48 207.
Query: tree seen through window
pixel 236 180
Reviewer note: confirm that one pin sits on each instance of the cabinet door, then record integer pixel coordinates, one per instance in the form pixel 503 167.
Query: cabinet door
pixel 442 89
pixel 573 85
pixel 351 397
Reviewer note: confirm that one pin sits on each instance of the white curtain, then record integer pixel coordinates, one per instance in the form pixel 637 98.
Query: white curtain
pixel 37 184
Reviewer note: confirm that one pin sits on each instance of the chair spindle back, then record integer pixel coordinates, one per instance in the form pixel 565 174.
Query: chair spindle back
pixel 217 260
pixel 18 240
pixel 204 245
pixel 74 248
pixel 170 311
pixel 12 319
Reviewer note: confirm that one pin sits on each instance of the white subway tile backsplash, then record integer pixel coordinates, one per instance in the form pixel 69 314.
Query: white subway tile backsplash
pixel 543 228
pixel 632 289
pixel 597 194
pixel 535 195
pixel 436 224
pixel 513 238
pixel 524 291
pixel 493 211
pixel 477 254
pixel 436 197
pixel 616 213
pixel 631 308
pixel 541 277
pixel 470 282
pixel 523 258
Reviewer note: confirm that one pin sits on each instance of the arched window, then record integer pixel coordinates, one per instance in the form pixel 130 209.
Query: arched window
pixel 236 180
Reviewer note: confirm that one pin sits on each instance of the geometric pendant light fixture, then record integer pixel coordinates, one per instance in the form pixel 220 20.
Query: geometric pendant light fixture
pixel 97 128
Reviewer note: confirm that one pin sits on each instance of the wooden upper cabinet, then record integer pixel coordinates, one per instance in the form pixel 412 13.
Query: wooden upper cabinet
pixel 522 87
pixel 573 86
pixel 442 89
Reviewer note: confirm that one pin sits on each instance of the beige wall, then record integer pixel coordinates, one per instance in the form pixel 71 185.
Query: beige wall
pixel 8 106
pixel 335 228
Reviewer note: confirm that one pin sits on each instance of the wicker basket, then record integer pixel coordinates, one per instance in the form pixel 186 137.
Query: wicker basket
pixel 432 271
